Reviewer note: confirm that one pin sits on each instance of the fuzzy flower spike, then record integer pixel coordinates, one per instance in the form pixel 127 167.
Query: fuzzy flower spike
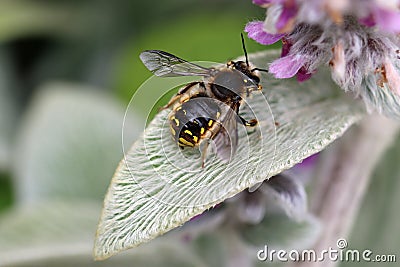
pixel 358 39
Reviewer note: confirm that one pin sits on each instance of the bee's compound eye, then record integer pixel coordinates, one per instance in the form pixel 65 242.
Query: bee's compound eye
pixel 238 65
pixel 256 79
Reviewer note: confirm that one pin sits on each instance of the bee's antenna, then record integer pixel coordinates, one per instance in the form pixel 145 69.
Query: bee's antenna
pixel 244 50
pixel 264 70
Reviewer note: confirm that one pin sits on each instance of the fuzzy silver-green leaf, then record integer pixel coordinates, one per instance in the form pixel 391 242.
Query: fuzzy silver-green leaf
pixel 68 143
pixel 156 187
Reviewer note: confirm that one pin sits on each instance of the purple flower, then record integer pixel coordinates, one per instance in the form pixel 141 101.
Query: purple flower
pixel 286 19
pixel 358 39
pixel 368 21
pixel 383 18
pixel 303 74
pixel 286 67
pixel 311 161
pixel 388 20
pixel 255 31
pixel 262 3
pixel 266 3
pixel 289 66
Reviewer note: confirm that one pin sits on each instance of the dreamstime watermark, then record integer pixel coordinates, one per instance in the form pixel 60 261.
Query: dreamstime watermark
pixel 340 253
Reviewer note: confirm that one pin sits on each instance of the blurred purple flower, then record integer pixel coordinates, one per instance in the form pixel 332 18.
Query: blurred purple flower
pixel 311 161
pixel 385 18
pixel 262 2
pixel 287 16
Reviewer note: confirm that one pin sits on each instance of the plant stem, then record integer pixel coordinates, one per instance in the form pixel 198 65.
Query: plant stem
pixel 343 179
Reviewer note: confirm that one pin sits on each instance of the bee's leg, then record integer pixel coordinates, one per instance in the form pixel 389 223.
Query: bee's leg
pixel 250 123
pixel 252 88
pixel 178 96
pixel 187 87
pixel 203 149
pixel 173 100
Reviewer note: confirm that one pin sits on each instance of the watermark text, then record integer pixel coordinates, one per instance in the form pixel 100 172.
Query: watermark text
pixel 339 253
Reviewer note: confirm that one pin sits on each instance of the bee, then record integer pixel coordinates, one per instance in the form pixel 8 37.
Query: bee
pixel 208 109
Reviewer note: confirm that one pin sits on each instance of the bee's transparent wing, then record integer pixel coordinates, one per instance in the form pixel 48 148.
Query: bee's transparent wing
pixel 164 64
pixel 226 141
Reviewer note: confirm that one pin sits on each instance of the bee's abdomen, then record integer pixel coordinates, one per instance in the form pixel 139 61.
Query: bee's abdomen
pixel 193 120
pixel 191 132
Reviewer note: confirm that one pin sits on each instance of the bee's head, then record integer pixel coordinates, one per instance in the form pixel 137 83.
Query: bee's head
pixel 245 68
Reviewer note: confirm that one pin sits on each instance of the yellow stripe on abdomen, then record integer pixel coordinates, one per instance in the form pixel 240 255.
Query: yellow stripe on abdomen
pixel 185 142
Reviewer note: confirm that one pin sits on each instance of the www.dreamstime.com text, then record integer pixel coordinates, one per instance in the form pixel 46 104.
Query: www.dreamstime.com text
pixel 340 253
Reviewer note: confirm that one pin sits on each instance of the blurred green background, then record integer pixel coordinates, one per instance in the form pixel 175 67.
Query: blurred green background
pixel 67 72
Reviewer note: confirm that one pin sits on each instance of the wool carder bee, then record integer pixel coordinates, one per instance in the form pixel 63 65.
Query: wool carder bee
pixel 208 109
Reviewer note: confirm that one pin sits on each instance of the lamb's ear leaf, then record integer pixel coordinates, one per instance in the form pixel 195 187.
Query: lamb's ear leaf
pixel 157 187
pixel 59 233
pixel 46 230
pixel 68 143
